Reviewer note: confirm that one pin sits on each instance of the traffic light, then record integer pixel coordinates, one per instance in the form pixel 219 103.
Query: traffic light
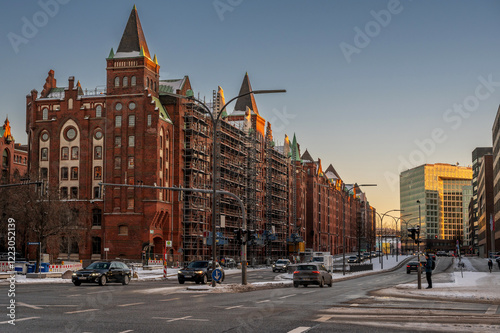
pixel 252 237
pixel 411 233
pixel 237 234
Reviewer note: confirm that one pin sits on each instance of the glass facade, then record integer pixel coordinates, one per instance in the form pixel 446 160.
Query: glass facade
pixel 444 193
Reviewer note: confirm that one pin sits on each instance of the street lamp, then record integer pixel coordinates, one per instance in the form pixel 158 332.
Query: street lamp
pixel 381 227
pixel 343 227
pixel 396 219
pixel 418 244
pixel 215 122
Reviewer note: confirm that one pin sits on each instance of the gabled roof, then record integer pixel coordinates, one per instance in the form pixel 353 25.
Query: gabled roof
pixel 306 157
pixel 161 110
pixel 295 150
pixel 331 172
pixel 246 101
pixel 133 39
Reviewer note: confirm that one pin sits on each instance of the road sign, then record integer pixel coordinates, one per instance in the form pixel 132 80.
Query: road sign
pixel 217 275
pixel 106 249
pixel 168 243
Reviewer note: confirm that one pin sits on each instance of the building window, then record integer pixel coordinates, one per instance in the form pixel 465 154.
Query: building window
pixel 97 192
pixel 97 172
pixel 96 245
pixel 98 111
pixel 118 106
pixel 70 133
pixel 130 163
pixel 44 155
pixel 45 114
pixel 131 120
pixel 74 173
pixel 118 121
pixel 74 193
pixel 70 104
pixel 45 136
pixel 133 81
pixel 147 80
pixel 118 162
pixel 64 193
pixel 64 153
pixel 149 120
pixel 44 173
pixel 118 141
pixel 98 152
pixel 125 81
pixel 130 203
pixel 96 217
pixel 131 141
pixel 5 158
pixel 64 173
pixel 123 230
pixel 74 153
pixel 117 81
pixel 131 106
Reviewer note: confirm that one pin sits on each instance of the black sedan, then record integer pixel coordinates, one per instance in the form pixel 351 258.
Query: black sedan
pixel 102 272
pixel 412 266
pixel 198 271
pixel 306 274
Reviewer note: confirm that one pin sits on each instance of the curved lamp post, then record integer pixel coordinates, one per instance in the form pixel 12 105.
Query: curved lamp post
pixel 381 226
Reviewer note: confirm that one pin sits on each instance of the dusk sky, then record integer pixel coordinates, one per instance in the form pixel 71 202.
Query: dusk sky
pixel 373 87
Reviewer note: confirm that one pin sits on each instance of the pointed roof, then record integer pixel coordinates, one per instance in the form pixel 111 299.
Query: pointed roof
pixel 295 150
pixel 133 39
pixel 307 157
pixel 246 101
pixel 331 170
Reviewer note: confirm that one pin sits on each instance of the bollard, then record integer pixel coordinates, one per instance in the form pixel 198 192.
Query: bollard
pixel 165 269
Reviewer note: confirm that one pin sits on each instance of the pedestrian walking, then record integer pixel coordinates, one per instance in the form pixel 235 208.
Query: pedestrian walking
pixel 428 270
pixel 490 264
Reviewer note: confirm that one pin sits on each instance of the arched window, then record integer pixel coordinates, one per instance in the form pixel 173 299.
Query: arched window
pixel 5 158
pixel 148 81
pixel 96 245
pixel 45 114
pixel 125 81
pixel 98 111
pixel 133 81
pixel 117 81
pixel 154 86
pixel 70 104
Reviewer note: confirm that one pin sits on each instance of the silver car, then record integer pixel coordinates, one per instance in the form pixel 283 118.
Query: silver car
pixel 306 274
pixel 281 265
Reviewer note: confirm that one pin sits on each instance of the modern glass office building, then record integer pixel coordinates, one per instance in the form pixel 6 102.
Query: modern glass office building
pixel 438 189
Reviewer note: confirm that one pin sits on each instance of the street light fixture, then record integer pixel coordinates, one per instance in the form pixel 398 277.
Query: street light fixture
pixel 418 244
pixel 215 122
pixel 381 227
pixel 396 219
pixel 343 227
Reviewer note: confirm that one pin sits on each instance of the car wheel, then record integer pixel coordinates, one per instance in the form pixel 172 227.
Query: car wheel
pixel 126 280
pixel 305 286
pixel 77 283
pixel 407 272
pixel 322 283
pixel 103 280
pixel 295 284
pixel 181 281
pixel 274 271
pixel 205 280
pixel 331 283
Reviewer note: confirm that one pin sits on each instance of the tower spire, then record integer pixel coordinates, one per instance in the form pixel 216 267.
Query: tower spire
pixel 133 39
pixel 246 101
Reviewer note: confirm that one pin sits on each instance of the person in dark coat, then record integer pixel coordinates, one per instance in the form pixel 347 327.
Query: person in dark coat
pixel 428 270
pixel 490 265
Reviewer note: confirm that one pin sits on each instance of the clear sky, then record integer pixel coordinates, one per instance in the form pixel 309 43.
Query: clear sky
pixel 373 87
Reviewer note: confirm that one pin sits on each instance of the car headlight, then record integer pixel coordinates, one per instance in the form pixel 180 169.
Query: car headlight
pixel 274 265
pixel 199 272
pixel 179 272
pixel 94 274
pixel 74 274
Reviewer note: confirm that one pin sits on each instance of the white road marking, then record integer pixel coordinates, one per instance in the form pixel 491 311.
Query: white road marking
pixel 181 318
pixel 267 300
pixel 287 296
pixel 492 310
pixel 234 307
pixel 98 292
pixel 20 319
pixel 80 311
pixel 126 331
pixel 170 299
pixel 29 306
pixel 354 304
pixel 76 295
pixel 308 292
pixel 198 295
pixel 131 304
pixel 299 329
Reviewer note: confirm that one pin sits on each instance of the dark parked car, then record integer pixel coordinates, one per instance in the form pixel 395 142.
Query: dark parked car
pixel 281 265
pixel 306 274
pixel 198 271
pixel 103 272
pixel 353 260
pixel 412 266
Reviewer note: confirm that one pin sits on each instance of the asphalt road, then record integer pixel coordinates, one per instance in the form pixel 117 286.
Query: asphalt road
pixel 158 306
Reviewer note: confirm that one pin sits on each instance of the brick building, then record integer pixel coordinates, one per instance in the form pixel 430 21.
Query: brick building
pixel 14 156
pixel 140 130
